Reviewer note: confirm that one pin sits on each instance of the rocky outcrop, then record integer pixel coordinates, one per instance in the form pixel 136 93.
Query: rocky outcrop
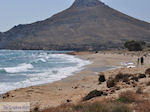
pixel 86 3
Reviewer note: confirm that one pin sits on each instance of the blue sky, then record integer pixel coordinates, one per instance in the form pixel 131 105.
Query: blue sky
pixel 14 12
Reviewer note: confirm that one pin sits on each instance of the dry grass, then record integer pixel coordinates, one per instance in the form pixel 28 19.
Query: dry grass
pixel 62 108
pixel 128 97
pixel 139 101
pixel 91 107
pixel 143 106
pixel 139 90
pixel 127 102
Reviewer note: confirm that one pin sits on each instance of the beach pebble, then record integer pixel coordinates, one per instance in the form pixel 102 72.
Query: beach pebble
pixel 76 87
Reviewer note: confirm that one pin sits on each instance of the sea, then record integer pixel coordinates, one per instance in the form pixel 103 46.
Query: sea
pixel 25 68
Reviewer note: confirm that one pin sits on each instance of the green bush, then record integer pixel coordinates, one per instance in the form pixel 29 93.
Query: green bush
pixel 101 78
pixel 92 94
pixel 134 45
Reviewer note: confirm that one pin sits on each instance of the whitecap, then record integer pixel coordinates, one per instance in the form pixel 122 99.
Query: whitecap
pixel 48 75
pixel 19 68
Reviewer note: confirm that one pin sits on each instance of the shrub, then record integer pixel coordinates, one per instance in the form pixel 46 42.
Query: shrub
pixel 134 45
pixel 61 108
pixel 135 78
pixel 91 107
pixel 148 84
pixel 92 94
pixel 122 77
pixel 121 108
pixel 36 109
pixel 127 97
pixel 119 76
pixel 101 78
pixel 98 107
pixel 143 106
pixel 110 83
pixel 139 90
pixel 142 76
pixel 147 71
pixel 126 80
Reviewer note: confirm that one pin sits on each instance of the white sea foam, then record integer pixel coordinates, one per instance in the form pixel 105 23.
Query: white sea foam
pixel 40 60
pixel 19 68
pixel 48 76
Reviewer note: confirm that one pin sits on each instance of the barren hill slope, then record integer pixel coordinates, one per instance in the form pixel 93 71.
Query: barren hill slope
pixel 86 24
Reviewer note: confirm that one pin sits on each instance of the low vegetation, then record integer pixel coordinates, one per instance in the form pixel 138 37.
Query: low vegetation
pixel 127 101
pixel 110 83
pixel 147 72
pixel 143 106
pixel 127 97
pixel 135 45
pixel 101 78
pixel 122 77
pixel 93 94
pixel 91 107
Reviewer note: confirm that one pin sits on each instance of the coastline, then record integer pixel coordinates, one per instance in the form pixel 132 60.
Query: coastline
pixel 74 87
pixel 49 73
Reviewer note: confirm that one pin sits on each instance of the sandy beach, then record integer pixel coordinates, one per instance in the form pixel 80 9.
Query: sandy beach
pixel 73 88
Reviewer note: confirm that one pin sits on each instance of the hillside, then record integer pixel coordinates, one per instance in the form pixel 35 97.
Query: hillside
pixel 86 24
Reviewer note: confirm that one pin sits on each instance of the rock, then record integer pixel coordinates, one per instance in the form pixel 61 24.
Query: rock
pixel 140 76
pixel 59 89
pixel 68 100
pixel 76 87
pixel 36 109
pixel 6 95
pixel 112 91
pixel 127 83
pixel 105 94
pixel 134 85
pixel 110 83
pixel 101 78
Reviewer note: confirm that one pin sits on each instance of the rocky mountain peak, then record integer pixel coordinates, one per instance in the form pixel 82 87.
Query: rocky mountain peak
pixel 86 3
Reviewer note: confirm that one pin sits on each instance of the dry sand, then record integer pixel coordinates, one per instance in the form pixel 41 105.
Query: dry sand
pixel 75 87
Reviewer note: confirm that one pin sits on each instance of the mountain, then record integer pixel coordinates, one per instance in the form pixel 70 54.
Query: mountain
pixel 86 24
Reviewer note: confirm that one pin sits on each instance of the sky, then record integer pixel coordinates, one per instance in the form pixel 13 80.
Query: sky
pixel 14 12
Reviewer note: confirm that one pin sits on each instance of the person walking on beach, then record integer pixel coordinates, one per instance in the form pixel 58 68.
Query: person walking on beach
pixel 138 61
pixel 142 60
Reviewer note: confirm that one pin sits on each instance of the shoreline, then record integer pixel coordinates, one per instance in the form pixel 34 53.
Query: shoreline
pixel 85 67
pixel 74 87
pixel 68 71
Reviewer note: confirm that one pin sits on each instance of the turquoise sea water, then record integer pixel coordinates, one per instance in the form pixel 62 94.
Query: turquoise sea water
pixel 20 69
